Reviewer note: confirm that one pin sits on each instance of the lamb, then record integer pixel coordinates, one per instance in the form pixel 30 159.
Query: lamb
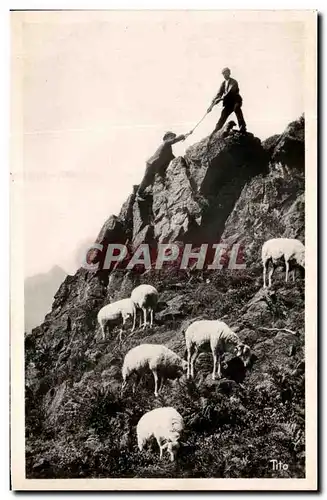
pixel 145 297
pixel 124 309
pixel 161 361
pixel 166 425
pixel 221 339
pixel 292 251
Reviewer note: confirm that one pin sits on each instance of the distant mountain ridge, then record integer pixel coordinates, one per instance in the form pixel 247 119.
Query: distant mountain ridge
pixel 39 291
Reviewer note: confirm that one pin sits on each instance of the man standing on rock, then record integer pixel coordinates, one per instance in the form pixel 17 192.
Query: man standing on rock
pixel 232 101
pixel 159 161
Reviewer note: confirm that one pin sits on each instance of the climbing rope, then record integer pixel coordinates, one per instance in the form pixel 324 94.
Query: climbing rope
pixel 203 117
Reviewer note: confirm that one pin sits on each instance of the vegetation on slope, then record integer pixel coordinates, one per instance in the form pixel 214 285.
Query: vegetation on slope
pixel 234 426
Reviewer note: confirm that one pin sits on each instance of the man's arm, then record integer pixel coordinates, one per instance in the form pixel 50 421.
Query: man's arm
pixel 179 138
pixel 218 97
pixel 220 93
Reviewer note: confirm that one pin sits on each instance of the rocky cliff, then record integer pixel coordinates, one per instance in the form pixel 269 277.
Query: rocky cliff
pixel 238 190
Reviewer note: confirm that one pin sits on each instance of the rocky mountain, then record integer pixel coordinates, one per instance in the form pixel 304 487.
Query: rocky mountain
pixel 39 291
pixel 238 190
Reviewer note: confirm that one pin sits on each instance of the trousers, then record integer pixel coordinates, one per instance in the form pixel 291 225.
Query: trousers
pixel 228 110
pixel 148 178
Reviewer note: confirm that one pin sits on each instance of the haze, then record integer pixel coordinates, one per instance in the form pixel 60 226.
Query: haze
pixel 101 88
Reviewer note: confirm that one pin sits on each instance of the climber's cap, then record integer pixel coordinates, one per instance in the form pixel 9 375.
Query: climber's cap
pixel 225 70
pixel 169 135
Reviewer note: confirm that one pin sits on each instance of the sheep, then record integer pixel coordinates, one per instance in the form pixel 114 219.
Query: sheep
pixel 145 297
pixel 166 425
pixel 124 309
pixel 221 339
pixel 292 251
pixel 161 361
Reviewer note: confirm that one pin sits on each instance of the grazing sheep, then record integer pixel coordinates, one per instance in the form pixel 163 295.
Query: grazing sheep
pixel 291 251
pixel 145 297
pixel 220 338
pixel 124 309
pixel 163 363
pixel 166 425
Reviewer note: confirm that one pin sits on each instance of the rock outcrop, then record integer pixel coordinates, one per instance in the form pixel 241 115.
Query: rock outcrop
pixel 194 199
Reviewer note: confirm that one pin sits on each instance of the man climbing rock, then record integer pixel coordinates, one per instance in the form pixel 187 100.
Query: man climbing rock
pixel 232 102
pixel 159 161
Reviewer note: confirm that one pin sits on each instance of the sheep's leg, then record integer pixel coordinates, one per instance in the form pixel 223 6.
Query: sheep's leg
pixel 161 447
pixel 189 362
pixel 214 355
pixel 162 383
pixel 193 358
pixel 264 273
pixel 171 453
pixel 123 387
pixel 140 444
pixel 156 382
pixel 293 275
pixel 140 314
pixel 188 373
pixel 120 335
pixel 271 272
pixel 134 321
pixel 151 317
pixel 122 329
pixel 216 362
pixel 103 331
pixel 159 385
pixel 136 382
pixel 287 265
pixel 219 366
pixel 144 317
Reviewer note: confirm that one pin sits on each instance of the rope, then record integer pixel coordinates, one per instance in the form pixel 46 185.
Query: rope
pixel 203 117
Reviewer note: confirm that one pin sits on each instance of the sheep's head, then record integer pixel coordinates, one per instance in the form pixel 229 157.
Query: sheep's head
pixel 301 259
pixel 175 369
pixel 172 448
pixel 243 351
pixel 182 368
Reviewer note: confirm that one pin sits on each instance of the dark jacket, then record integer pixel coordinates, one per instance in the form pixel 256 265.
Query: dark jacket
pixel 233 95
pixel 160 160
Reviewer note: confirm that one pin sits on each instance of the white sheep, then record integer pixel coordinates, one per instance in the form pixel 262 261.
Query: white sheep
pixel 220 338
pixel 291 251
pixel 161 361
pixel 145 297
pixel 166 425
pixel 122 309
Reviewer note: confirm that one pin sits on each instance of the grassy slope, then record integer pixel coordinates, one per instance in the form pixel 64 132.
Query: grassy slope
pixel 232 429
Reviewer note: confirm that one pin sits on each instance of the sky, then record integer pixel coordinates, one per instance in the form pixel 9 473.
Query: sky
pixel 101 88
